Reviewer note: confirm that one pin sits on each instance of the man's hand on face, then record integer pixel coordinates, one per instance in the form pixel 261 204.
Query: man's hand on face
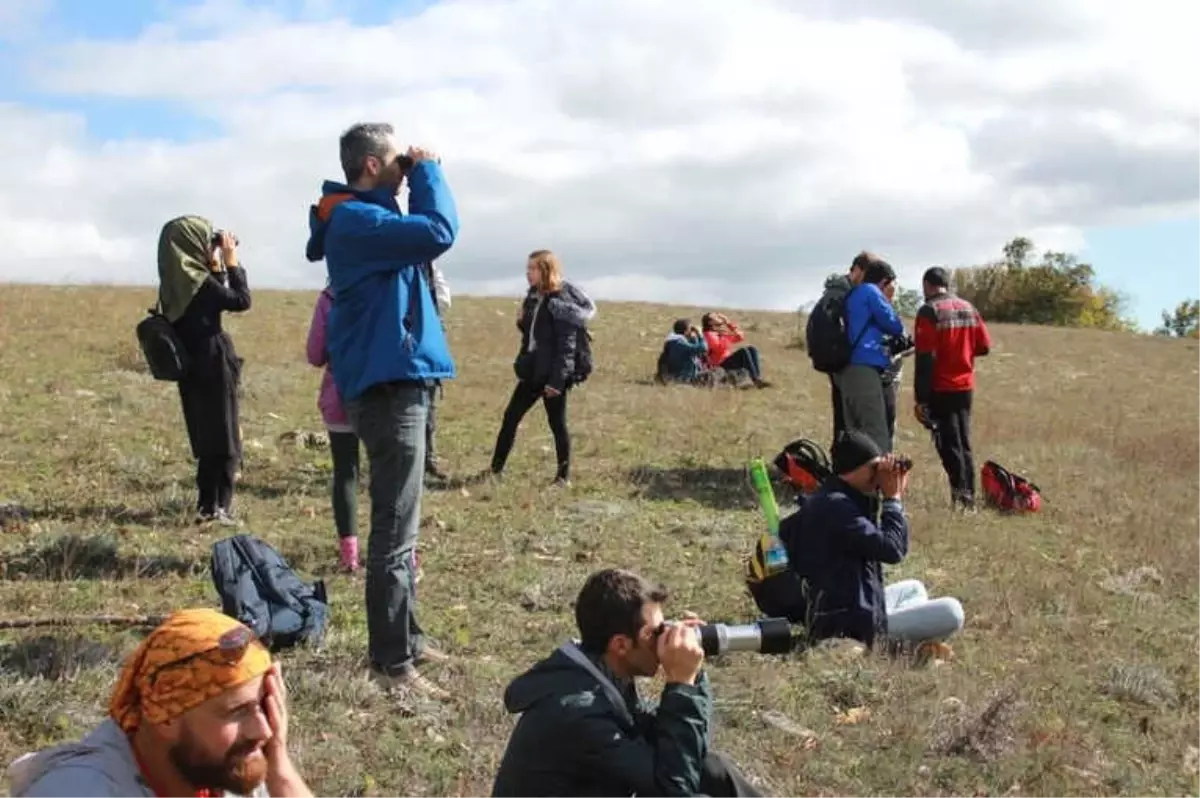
pixel 679 651
pixel 275 706
pixel 419 154
pixel 893 480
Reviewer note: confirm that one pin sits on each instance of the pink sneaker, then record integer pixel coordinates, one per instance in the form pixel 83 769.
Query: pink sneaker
pixel 349 559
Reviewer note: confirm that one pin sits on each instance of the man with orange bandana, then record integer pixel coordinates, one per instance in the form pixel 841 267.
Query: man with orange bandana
pixel 199 709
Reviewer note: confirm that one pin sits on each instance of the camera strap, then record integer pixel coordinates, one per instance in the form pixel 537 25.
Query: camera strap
pixel 572 652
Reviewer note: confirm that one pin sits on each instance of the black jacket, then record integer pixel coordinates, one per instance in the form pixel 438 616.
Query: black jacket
pixel 555 324
pixel 837 550
pixel 573 739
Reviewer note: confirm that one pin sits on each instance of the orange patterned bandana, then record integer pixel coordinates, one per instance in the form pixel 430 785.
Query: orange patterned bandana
pixel 193 656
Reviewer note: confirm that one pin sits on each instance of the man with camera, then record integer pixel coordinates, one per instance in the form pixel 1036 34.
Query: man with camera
pixel 583 729
pixel 837 547
pixel 386 350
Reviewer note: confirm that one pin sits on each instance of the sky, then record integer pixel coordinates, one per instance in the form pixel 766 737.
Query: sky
pixel 693 151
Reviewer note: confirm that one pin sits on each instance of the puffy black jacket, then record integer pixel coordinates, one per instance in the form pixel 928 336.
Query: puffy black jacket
pixel 554 323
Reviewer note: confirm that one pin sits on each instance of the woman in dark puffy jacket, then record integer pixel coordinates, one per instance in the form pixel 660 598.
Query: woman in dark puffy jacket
pixel 553 324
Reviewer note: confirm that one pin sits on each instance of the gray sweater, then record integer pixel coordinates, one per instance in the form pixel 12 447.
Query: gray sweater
pixel 101 764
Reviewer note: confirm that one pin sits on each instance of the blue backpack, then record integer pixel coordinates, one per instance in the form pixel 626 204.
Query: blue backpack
pixel 258 588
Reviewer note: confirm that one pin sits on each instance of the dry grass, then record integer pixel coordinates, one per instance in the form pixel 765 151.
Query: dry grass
pixel 1076 674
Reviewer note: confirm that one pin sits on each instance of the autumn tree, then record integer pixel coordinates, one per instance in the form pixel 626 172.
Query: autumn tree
pixel 1184 322
pixel 1057 290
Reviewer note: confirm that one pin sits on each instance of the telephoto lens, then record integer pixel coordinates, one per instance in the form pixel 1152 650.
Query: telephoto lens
pixel 764 636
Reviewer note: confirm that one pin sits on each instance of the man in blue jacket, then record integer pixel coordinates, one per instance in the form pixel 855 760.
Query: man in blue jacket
pixel 870 319
pixel 386 349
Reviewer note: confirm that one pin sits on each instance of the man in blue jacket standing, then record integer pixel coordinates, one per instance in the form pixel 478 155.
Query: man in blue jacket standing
pixel 386 349
pixel 870 319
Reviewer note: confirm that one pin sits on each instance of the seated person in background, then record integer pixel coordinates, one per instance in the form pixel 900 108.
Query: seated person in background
pixel 722 335
pixel 837 549
pixel 682 354
pixel 198 709
pixel 584 730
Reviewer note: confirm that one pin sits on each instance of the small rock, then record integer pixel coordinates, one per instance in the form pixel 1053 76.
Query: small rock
pixel 778 720
pixel 85 393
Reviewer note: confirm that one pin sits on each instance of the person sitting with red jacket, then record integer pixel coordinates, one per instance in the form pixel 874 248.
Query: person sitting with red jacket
pixel 721 335
pixel 949 335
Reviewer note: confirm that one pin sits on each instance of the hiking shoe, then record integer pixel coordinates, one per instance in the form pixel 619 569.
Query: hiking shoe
pixel 225 518
pixel 408 680
pixel 204 517
pixel 761 384
pixel 434 470
pixel 430 654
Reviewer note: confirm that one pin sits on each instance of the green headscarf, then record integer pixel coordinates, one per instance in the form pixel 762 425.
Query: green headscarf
pixel 183 252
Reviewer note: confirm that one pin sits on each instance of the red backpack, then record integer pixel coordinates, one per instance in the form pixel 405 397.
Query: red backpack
pixel 1009 492
pixel 805 465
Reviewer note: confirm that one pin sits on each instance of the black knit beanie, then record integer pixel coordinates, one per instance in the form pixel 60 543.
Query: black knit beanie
pixel 853 449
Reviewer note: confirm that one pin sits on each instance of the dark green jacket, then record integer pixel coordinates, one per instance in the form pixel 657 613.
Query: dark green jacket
pixel 578 737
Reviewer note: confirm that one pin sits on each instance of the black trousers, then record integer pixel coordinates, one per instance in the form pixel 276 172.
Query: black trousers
pixel 524 396
pixel 951 415
pixel 214 482
pixel 346 463
pixel 431 459
pixel 720 777
pixel 839 417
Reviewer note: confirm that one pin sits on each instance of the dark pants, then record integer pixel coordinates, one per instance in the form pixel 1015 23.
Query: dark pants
pixel 839 417
pixel 720 777
pixel 744 359
pixel 524 396
pixel 891 391
pixel 214 482
pixel 951 414
pixel 389 419
pixel 431 460
pixel 344 448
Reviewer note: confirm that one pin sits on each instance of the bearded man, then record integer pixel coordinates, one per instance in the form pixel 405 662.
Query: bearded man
pixel 199 709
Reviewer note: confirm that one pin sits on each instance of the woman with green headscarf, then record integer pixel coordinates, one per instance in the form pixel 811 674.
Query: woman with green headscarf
pixel 199 279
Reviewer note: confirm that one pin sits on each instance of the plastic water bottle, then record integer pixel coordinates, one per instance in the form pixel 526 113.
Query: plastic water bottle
pixel 775 557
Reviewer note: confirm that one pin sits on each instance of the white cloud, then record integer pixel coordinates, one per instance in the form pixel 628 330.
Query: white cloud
pixel 722 153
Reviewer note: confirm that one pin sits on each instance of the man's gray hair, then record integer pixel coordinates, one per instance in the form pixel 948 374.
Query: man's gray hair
pixel 360 141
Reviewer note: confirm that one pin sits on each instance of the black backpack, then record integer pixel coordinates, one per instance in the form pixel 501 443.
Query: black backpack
pixel 583 355
pixel 259 589
pixel 778 595
pixel 826 337
pixel 164 351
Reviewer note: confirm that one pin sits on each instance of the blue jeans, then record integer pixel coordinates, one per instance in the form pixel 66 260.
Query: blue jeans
pixel 389 419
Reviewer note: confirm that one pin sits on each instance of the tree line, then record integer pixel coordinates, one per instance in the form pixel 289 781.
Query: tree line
pixel 1054 290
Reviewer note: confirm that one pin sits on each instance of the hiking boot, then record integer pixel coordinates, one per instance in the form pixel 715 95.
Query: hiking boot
pixel 408 680
pixel 761 384
pixel 224 517
pixel 434 471
pixel 205 517
pixel 430 654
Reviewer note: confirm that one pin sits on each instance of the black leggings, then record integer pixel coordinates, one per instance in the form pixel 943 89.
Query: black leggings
pixel 744 359
pixel 344 448
pixel 525 396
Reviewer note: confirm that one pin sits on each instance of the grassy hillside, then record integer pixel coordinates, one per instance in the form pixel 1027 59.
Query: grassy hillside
pixel 1076 674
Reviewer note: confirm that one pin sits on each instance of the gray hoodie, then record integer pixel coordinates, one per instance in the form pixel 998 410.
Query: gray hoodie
pixel 101 764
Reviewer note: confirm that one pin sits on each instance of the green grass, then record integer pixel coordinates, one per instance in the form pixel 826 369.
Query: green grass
pixel 1076 674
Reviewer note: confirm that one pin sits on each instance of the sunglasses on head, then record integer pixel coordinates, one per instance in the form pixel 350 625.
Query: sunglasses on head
pixel 230 649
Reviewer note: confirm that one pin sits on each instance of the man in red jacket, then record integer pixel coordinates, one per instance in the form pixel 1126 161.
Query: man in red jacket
pixel 949 335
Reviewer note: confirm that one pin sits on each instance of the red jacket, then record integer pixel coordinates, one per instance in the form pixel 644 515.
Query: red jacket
pixel 719 344
pixel 949 335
